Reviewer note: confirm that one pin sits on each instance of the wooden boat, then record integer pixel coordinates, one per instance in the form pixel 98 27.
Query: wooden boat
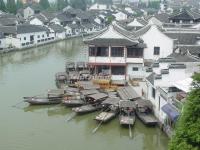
pixel 107 114
pixel 70 66
pixel 42 101
pixel 96 98
pixel 127 113
pixel 87 108
pixel 144 112
pixel 61 79
pixel 73 102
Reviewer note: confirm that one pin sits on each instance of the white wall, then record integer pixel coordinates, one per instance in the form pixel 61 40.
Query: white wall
pixel 42 36
pixel 36 21
pixel 135 74
pixel 56 21
pixel 155 38
pixel 120 16
pixel 28 12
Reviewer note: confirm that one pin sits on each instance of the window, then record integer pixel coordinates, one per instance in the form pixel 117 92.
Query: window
pixel 118 70
pixel 45 39
pixel 117 52
pixel 156 50
pixel 153 93
pixel 92 51
pixel 135 69
pixel 38 36
pixel 23 44
pixel 0 42
pixel 102 51
pixel 27 43
pixel 25 38
pixel 43 35
pixel 38 41
pixel 134 52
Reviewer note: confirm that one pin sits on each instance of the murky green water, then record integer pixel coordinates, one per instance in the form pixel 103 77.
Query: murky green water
pixel 31 72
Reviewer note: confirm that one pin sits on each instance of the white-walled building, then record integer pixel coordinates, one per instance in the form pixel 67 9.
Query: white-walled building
pixel 120 16
pixel 158 44
pixel 114 52
pixel 30 35
pixel 166 86
pixel 100 7
pixel 58 30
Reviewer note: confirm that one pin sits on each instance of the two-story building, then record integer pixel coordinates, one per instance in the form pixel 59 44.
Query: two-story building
pixel 113 51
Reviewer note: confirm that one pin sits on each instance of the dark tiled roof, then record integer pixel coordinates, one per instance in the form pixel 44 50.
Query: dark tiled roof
pixel 8 21
pixel 63 17
pixel 106 42
pixel 141 31
pixel 151 78
pixel 40 17
pixel 30 29
pixel 184 38
pixel 74 26
pixel 183 57
pixel 87 25
pixel 8 29
pixel 84 15
pixel 57 28
pixel 186 14
pixel 48 15
pixel 163 17
pixel 194 49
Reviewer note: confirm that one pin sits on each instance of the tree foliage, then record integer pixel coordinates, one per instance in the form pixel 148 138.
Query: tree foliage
pixel 79 4
pixel 187 135
pixel 19 4
pixel 62 4
pixel 11 6
pixel 44 4
pixel 2 5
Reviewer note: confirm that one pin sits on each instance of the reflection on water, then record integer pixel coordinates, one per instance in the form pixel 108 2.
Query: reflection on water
pixel 32 72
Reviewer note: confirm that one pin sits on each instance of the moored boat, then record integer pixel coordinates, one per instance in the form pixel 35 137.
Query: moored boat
pixel 144 112
pixel 127 113
pixel 87 108
pixel 42 101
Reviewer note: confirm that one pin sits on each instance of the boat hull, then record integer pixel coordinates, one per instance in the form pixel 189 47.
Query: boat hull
pixel 147 119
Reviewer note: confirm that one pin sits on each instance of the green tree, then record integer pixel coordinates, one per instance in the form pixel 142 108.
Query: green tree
pixel 78 4
pixel 2 5
pixel 44 4
pixel 19 4
pixel 187 134
pixel 11 6
pixel 60 4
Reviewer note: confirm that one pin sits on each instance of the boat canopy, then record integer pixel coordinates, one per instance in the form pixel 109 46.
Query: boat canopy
pixel 112 101
pixel 88 92
pixel 97 96
pixel 127 93
pixel 171 112
pixel 126 104
pixel 141 103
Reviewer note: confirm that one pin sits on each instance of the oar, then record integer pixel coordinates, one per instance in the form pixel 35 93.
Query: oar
pixel 130 131
pixel 95 129
pixel 71 117
pixel 17 104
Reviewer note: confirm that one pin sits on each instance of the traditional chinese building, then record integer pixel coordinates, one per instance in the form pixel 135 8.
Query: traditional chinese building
pixel 115 52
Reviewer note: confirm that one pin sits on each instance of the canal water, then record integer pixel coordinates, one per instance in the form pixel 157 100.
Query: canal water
pixel 31 72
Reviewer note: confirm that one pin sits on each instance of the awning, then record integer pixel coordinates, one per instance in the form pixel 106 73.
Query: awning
pixel 184 85
pixel 171 112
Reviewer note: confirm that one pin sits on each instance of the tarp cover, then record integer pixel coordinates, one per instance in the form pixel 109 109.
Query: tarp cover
pixel 171 112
